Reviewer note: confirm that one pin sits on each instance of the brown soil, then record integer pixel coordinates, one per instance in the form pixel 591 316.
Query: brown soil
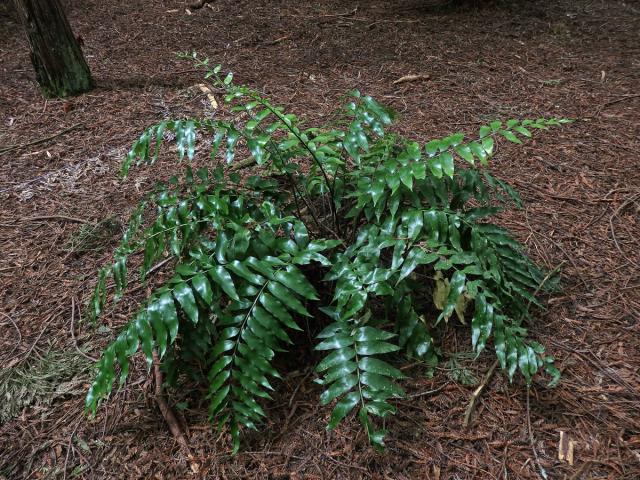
pixel 485 60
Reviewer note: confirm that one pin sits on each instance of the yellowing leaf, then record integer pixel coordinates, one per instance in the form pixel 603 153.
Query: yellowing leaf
pixel 461 306
pixel 441 292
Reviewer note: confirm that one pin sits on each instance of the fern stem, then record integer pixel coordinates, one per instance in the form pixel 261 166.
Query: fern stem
pixel 313 156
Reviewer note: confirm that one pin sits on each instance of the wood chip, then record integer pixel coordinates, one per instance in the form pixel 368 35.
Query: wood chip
pixel 566 448
pixel 212 100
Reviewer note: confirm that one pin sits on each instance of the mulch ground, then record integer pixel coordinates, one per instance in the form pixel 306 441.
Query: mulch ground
pixel 485 60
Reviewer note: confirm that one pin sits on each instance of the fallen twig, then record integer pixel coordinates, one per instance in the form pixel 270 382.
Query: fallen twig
pixel 613 231
pixel 597 364
pixel 613 102
pixel 543 472
pixel 476 394
pixel 69 447
pixel 586 466
pixel 544 280
pixel 411 78
pixel 40 140
pixel 46 324
pixel 73 335
pixel 276 41
pixel 428 392
pixel 168 414
pixel 293 395
pixel 17 330
pixel 57 217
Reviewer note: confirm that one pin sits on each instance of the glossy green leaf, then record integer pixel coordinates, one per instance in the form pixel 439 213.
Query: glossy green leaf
pixel 487 144
pixel 169 314
pixel 523 131
pixel 220 276
pixel 465 152
pixel 202 286
pixel 510 136
pixel 295 280
pixel 287 297
pixel 413 219
pixel 338 371
pixel 479 152
pixel 448 167
pixel 183 294
pixel 217 400
pixel 157 322
pixel 381 382
pixel 416 256
pixel 340 387
pixel 436 165
pixel 368 334
pixel 337 341
pixel 342 409
pixel 278 310
pixel 375 348
pixel 379 367
pixel 336 357
pixel 242 271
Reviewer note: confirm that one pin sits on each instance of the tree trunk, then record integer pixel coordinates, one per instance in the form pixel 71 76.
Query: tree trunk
pixel 61 69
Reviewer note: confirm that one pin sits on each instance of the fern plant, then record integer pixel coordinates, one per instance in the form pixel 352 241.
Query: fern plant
pixel 398 233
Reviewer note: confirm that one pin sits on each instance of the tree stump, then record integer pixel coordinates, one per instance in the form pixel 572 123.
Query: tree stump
pixel 60 67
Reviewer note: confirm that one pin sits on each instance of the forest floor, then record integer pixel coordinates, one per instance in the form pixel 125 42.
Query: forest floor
pixel 581 185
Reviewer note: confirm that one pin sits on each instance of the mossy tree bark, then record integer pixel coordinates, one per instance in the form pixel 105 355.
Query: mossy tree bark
pixel 61 69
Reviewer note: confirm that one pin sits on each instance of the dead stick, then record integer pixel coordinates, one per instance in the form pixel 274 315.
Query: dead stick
pixel 57 217
pixel 46 324
pixel 613 230
pixel 166 411
pixel 613 102
pixel 476 394
pixel 586 466
pixel 17 344
pixel 69 448
pixel 242 164
pixel 543 472
pixel 41 140
pixel 73 333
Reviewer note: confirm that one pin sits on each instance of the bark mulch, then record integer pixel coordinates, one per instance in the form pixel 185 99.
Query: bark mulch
pixel 62 207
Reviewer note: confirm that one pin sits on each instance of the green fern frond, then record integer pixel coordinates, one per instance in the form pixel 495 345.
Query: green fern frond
pixel 353 375
pixel 253 328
